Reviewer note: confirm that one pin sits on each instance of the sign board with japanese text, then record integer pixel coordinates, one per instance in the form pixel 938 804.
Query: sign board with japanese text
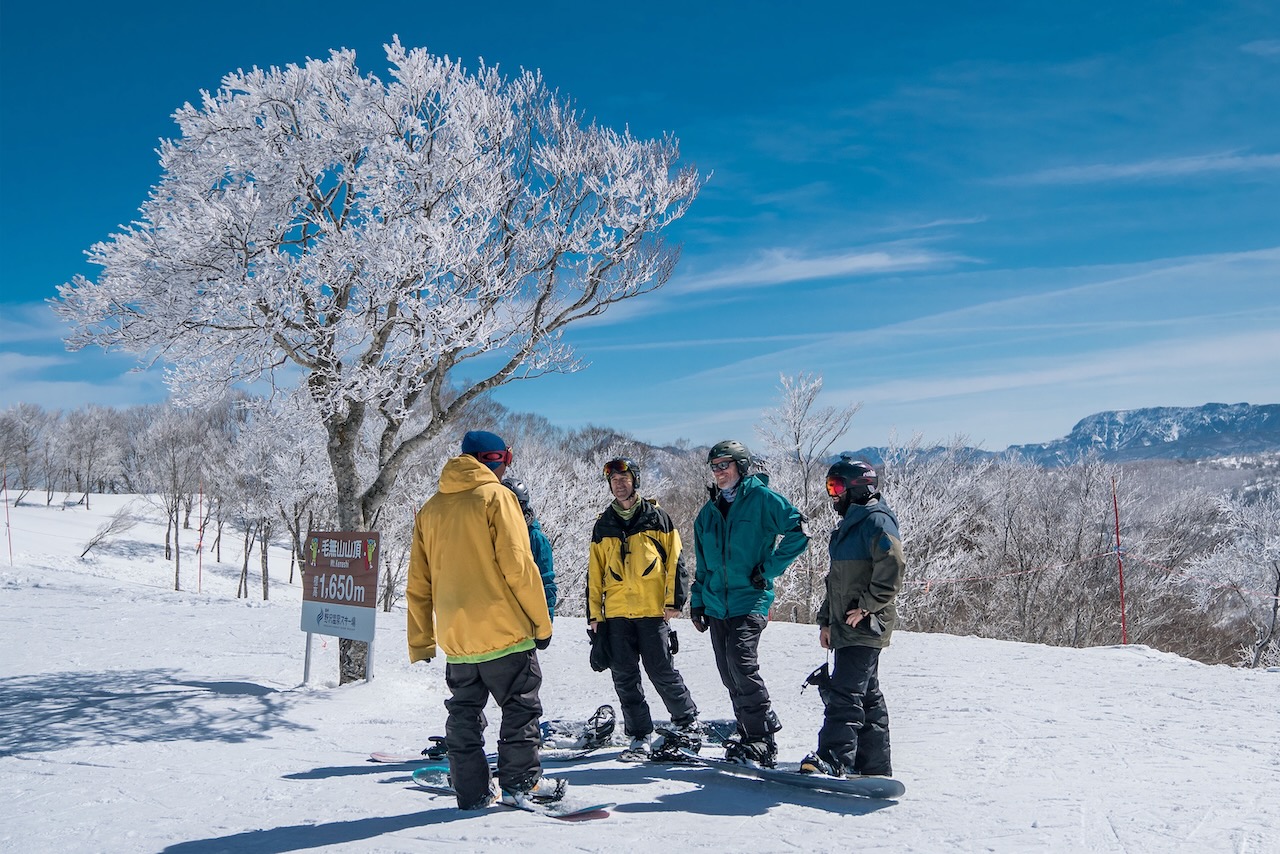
pixel 340 583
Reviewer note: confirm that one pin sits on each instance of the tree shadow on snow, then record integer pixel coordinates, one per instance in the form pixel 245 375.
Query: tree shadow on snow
pixel 55 711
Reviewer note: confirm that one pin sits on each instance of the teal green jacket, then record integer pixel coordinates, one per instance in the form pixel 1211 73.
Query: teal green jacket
pixel 738 561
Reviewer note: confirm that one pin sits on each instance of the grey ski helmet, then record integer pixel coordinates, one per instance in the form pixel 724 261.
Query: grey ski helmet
pixel 521 491
pixel 733 449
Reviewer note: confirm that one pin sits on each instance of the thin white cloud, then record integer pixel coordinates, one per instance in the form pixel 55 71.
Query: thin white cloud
pixel 1173 167
pixel 1137 365
pixel 933 224
pixel 30 321
pixel 770 268
pixel 1262 47
pixel 1091 305
pixel 779 266
pixel 17 366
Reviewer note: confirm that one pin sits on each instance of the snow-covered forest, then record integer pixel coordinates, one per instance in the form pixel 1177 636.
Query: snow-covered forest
pixel 999 549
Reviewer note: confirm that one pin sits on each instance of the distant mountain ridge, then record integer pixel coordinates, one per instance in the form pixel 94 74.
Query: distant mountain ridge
pixel 1161 432
pixel 1166 432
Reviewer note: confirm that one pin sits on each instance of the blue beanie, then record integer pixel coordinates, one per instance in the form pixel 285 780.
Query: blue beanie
pixel 479 441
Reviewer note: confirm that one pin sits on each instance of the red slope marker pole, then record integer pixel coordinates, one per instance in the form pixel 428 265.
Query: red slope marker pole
pixel 1115 504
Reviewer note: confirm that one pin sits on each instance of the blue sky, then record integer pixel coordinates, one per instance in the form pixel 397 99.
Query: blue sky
pixel 985 220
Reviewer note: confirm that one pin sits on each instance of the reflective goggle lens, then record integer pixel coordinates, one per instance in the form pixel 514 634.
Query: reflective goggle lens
pixel 835 486
pixel 616 467
pixel 721 466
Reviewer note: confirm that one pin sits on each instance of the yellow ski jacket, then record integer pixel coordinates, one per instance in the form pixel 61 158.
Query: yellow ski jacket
pixel 637 566
pixel 473 586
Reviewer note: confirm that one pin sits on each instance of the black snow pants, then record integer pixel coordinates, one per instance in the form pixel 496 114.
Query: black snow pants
pixel 513 680
pixel 736 641
pixel 646 640
pixel 855 728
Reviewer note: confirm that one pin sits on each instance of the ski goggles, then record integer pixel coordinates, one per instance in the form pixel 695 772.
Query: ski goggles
pixel 618 467
pixel 836 487
pixel 723 465
pixel 503 457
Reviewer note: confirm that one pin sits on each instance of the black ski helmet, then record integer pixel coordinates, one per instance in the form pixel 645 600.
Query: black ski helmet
pixel 733 449
pixel 623 465
pixel 521 491
pixel 855 477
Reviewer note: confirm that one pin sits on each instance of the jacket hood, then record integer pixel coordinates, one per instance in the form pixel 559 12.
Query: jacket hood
pixel 465 472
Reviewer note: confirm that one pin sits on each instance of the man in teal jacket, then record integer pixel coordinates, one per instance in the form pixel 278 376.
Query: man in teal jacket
pixel 738 562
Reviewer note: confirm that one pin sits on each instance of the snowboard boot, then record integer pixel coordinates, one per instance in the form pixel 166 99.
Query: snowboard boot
pixel 639 749
pixel 816 763
pixel 544 790
pixel 760 751
pixel 480 804
pixel 670 744
pixel 595 731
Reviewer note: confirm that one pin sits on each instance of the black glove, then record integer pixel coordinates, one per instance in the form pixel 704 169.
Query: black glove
pixel 542 643
pixel 698 616
pixel 757 577
pixel 673 642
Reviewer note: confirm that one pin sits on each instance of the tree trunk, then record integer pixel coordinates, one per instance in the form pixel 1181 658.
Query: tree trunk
pixel 177 556
pixel 242 590
pixel 264 537
pixel 352 654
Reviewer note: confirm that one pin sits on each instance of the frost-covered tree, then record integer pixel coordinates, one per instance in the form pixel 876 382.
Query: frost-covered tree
pixel 24 435
pixel 172 449
pixel 92 442
pixel 1245 572
pixel 386 248
pixel 940 495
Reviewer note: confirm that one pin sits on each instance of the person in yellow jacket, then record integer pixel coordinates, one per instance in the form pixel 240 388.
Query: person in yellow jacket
pixel 474 590
pixel 636 582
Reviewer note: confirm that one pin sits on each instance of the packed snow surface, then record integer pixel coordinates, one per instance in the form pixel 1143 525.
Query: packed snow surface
pixel 137 718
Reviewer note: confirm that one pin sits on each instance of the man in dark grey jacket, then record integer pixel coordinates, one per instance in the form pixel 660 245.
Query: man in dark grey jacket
pixel 856 620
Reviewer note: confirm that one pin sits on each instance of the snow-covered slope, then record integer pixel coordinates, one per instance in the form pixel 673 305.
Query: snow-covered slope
pixel 136 718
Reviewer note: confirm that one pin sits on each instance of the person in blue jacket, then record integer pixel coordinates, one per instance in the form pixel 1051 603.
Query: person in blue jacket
pixel 745 537
pixel 539 543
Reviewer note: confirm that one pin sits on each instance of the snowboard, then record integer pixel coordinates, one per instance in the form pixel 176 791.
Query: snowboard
pixel 562 741
pixel 879 788
pixel 548 757
pixel 435 779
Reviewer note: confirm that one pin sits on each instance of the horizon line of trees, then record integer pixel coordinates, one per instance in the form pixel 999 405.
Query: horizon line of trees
pixel 996 548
